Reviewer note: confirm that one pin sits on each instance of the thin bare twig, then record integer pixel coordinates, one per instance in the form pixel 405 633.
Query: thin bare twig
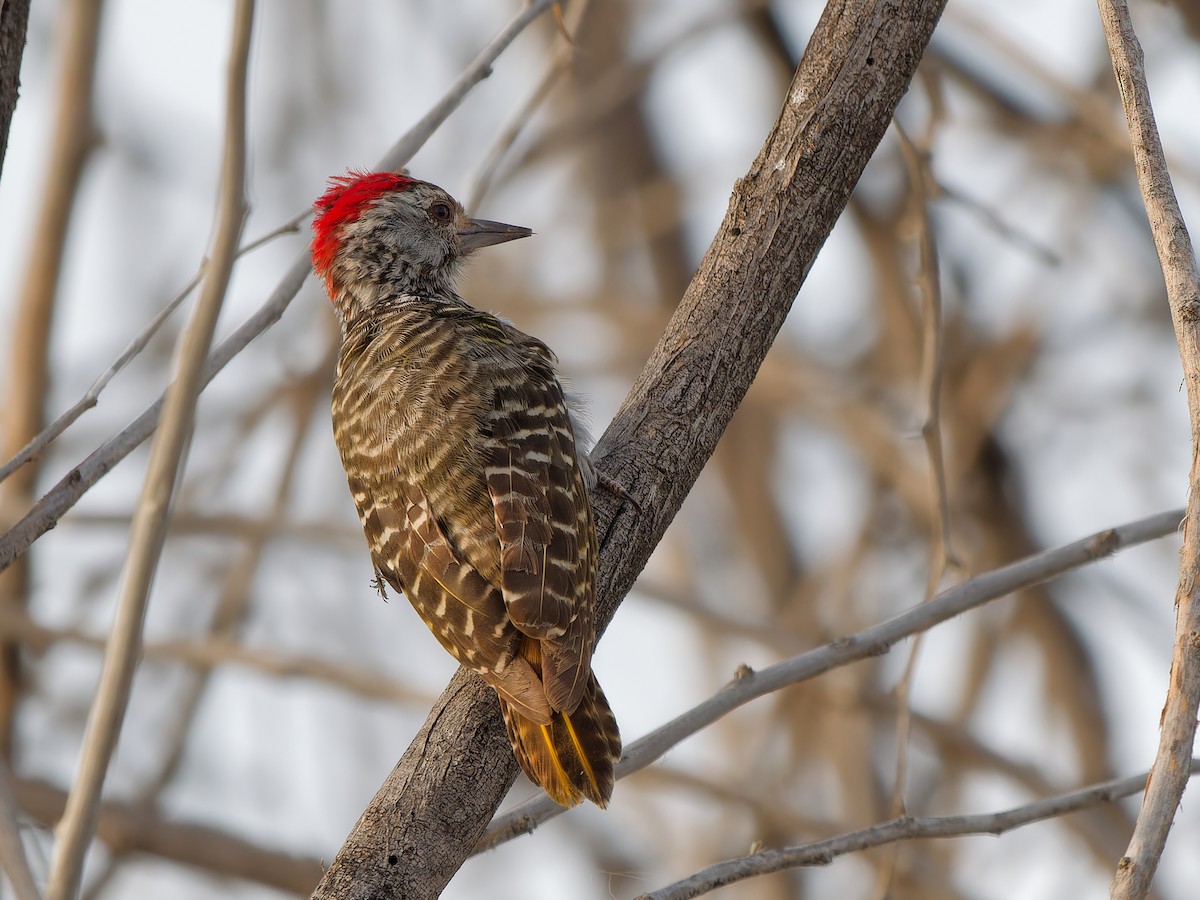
pixel 873 641
pixel 1019 237
pixel 481 181
pixel 230 613
pixel 51 432
pixel 64 495
pixel 1176 256
pixel 921 191
pixel 951 739
pixel 78 824
pixel 479 69
pixel 929 284
pixel 822 853
pixel 614 88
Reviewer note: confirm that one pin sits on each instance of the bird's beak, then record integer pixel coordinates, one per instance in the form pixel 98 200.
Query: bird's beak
pixel 476 233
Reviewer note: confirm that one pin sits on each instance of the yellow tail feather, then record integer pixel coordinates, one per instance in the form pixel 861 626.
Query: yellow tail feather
pixel 573 757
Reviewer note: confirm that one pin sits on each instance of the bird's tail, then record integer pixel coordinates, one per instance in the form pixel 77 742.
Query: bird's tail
pixel 572 757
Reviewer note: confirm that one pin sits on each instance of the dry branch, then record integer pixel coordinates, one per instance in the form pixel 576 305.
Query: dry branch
pixel 210 652
pixel 167 456
pixel 434 806
pixel 822 853
pixel 91 396
pixel 921 194
pixel 37 445
pixel 481 181
pixel 878 639
pixel 1176 256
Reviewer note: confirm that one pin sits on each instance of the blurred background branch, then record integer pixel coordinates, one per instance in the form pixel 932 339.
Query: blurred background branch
pixel 28 375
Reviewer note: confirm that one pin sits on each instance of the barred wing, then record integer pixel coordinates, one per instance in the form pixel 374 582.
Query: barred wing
pixel 463 610
pixel 544 524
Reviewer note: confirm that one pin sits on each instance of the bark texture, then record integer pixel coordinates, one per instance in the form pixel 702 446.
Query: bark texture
pixel 14 21
pixel 1177 257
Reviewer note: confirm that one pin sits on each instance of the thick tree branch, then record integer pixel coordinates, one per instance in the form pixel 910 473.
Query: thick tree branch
pixel 432 809
pixel 1176 256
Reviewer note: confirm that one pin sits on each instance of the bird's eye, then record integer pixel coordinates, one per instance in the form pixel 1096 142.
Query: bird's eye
pixel 441 212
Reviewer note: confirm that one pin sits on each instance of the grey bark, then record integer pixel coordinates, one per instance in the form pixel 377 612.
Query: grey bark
pixel 14 21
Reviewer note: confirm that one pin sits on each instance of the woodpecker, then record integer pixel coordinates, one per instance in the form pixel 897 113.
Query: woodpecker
pixel 461 455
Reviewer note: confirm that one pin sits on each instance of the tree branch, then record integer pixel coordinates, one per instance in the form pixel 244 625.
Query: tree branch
pixel 1176 256
pixel 38 444
pixel 748 685
pixel 167 457
pixel 432 809
pixel 822 853
pixel 207 653
pixel 91 397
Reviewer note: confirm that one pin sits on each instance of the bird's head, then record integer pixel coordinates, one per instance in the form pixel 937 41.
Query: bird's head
pixel 378 235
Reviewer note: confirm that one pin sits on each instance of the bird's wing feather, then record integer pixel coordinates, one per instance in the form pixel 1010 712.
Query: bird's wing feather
pixel 544 523
pixel 463 610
